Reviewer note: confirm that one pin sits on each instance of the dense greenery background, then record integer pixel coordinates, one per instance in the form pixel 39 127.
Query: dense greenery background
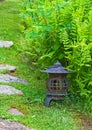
pixel 61 30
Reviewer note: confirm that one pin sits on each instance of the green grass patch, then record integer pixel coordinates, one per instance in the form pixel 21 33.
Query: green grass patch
pixel 9 25
pixel 37 115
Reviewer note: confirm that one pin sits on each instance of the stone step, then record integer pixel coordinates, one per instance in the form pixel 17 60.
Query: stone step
pixel 7 67
pixel 5 44
pixel 9 125
pixel 15 111
pixel 6 78
pixel 9 90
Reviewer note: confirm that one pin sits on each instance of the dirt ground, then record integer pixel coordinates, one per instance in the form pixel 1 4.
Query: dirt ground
pixel 86 122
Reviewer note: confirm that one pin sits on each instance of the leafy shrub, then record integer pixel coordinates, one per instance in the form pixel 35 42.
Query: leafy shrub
pixel 61 30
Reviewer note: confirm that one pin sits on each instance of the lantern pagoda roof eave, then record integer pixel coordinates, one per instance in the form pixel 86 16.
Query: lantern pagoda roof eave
pixel 57 68
pixel 54 72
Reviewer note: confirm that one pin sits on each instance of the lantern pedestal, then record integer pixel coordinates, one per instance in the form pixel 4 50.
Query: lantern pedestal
pixel 51 97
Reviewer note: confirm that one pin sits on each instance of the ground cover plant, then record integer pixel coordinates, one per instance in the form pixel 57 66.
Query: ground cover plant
pixel 61 30
pixel 59 116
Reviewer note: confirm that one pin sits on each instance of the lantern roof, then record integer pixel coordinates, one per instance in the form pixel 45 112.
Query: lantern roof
pixel 57 68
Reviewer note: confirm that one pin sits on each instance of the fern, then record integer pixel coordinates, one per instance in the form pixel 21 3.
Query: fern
pixel 60 30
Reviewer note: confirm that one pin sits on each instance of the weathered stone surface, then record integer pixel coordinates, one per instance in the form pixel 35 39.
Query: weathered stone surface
pixel 7 67
pixel 8 78
pixel 15 111
pixel 8 125
pixel 9 90
pixel 6 44
pixel 2 0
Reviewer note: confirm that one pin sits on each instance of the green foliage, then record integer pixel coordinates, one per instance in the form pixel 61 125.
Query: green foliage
pixel 42 25
pixel 61 30
pixel 36 115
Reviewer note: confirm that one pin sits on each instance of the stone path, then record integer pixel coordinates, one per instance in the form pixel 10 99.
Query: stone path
pixel 7 67
pixel 15 111
pixel 6 44
pixel 6 78
pixel 9 90
pixel 8 125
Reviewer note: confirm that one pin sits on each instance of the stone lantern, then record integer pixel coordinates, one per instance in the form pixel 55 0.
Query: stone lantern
pixel 57 84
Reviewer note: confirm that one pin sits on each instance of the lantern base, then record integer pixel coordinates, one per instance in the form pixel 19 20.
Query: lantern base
pixel 50 98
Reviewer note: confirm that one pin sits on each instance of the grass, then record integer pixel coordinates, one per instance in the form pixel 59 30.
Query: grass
pixel 58 116
pixel 9 29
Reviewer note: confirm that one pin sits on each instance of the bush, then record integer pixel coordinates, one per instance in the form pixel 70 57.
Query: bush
pixel 61 30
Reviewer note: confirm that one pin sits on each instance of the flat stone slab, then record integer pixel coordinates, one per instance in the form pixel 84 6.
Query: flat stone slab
pixel 8 125
pixel 8 78
pixel 15 111
pixel 7 67
pixel 6 44
pixel 9 90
